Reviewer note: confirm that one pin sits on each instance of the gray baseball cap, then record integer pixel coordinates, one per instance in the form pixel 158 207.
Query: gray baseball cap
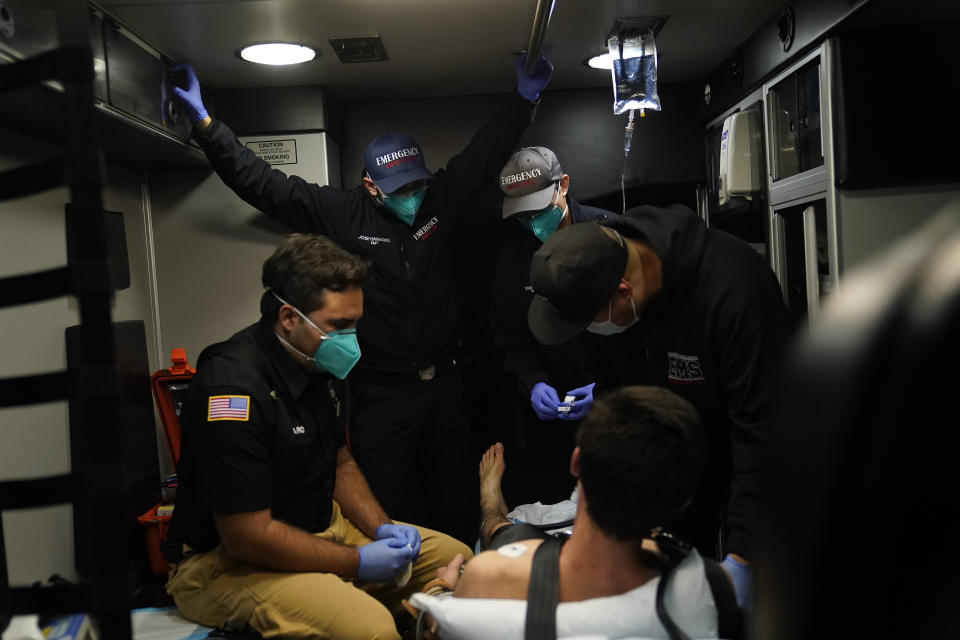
pixel 528 180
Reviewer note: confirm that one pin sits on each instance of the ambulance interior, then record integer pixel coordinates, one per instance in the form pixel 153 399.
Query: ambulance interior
pixel 820 132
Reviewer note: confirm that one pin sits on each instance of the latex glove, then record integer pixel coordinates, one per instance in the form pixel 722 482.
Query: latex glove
pixel 409 535
pixel 580 408
pixel 383 560
pixel 742 578
pixel 530 86
pixel 544 400
pixel 180 84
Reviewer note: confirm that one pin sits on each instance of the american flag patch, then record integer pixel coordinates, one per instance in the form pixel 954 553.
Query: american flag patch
pixel 228 408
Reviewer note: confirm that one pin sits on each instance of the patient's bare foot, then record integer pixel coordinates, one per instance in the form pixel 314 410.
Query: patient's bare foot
pixel 492 466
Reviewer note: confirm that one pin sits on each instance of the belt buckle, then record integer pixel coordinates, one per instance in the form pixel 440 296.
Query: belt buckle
pixel 427 373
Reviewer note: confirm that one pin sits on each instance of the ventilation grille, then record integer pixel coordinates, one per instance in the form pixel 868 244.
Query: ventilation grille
pixel 359 49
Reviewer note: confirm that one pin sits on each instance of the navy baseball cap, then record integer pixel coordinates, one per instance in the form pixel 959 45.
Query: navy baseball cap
pixel 573 275
pixel 393 160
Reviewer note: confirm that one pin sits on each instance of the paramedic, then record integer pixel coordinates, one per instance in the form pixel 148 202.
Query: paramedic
pixel 536 203
pixel 401 218
pixel 275 527
pixel 701 314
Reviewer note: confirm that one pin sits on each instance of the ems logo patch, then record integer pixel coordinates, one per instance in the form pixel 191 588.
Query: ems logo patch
pixel 684 369
pixel 228 408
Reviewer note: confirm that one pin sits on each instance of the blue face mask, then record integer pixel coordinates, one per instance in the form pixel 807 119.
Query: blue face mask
pixel 405 206
pixel 338 351
pixel 544 222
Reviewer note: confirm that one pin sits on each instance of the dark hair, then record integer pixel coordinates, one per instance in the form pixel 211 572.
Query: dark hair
pixel 303 267
pixel 641 457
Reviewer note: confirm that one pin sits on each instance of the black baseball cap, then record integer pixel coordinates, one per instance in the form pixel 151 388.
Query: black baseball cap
pixel 573 275
pixel 393 160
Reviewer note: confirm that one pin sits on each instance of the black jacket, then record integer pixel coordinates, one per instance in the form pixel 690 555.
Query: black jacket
pixel 411 304
pixel 717 336
pixel 561 366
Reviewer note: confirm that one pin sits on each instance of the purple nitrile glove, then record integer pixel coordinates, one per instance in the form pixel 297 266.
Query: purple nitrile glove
pixel 530 86
pixel 742 578
pixel 404 532
pixel 580 407
pixel 180 85
pixel 383 560
pixel 544 400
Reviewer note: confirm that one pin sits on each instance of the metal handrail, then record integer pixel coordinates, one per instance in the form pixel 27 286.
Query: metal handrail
pixel 541 20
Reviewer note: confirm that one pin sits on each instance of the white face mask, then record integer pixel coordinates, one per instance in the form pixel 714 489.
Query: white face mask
pixel 608 327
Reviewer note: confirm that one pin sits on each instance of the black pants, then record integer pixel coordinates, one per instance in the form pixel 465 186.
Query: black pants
pixel 411 439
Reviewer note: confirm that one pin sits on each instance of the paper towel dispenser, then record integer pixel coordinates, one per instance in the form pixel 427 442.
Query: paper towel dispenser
pixel 741 156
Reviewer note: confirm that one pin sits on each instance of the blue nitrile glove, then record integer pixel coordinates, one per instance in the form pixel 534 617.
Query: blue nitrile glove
pixel 404 532
pixel 180 84
pixel 742 578
pixel 383 560
pixel 580 408
pixel 530 86
pixel 544 400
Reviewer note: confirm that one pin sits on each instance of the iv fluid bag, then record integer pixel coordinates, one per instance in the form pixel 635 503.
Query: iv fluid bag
pixel 634 70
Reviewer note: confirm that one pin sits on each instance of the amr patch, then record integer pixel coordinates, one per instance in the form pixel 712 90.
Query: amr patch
pixel 684 369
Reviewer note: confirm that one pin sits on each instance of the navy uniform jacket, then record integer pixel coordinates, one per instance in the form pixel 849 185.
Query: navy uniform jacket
pixel 717 336
pixel 561 366
pixel 258 432
pixel 412 306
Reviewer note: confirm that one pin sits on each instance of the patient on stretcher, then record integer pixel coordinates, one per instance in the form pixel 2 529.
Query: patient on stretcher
pixel 638 458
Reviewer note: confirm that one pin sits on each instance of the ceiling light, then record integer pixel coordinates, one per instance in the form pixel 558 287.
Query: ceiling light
pixel 599 61
pixel 277 53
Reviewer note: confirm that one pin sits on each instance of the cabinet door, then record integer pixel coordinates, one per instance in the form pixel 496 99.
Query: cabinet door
pixel 794 115
pixel 809 138
pixel 805 270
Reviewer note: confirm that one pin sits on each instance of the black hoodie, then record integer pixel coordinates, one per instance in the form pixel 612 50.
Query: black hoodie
pixel 716 335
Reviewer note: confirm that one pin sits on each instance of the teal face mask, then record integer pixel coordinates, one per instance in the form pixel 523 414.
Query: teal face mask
pixel 338 351
pixel 544 222
pixel 405 207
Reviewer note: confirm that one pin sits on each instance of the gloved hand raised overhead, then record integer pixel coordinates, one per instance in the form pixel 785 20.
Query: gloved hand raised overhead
pixel 383 560
pixel 530 86
pixel 409 535
pixel 180 85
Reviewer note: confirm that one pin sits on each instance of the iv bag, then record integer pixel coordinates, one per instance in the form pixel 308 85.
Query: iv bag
pixel 634 69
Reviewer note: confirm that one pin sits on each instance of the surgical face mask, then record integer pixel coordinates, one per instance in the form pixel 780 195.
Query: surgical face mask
pixel 338 351
pixel 608 327
pixel 405 206
pixel 544 222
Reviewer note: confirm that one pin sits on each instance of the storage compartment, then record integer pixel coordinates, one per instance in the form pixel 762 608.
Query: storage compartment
pixel 127 80
pixel 806 272
pixel 29 28
pixel 793 105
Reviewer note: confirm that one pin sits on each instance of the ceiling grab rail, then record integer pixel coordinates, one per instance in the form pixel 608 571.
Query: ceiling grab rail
pixel 541 20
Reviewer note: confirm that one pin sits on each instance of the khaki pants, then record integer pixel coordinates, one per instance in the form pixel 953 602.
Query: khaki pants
pixel 213 589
